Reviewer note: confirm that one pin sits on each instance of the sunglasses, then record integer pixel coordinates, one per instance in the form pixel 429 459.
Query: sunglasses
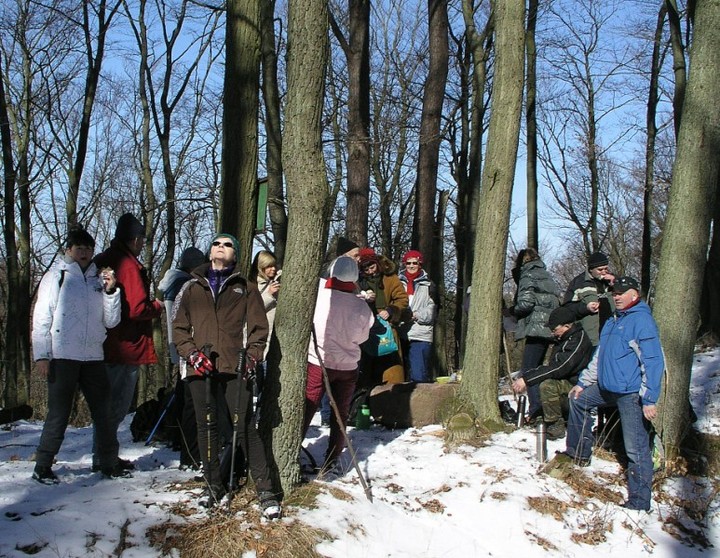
pixel 225 244
pixel 412 263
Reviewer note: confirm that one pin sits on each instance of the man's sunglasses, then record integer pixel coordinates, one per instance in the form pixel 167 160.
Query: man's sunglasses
pixel 226 244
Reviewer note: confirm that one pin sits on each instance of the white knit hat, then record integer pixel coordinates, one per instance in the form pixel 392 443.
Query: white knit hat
pixel 345 269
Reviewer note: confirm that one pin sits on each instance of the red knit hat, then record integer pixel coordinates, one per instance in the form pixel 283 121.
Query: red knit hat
pixel 367 255
pixel 412 254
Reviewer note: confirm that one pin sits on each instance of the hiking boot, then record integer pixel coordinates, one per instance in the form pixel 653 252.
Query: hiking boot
pixel 116 472
pixel 565 457
pixel 636 507
pixel 269 505
pixel 44 475
pixel 555 430
pixel 211 496
pixel 123 463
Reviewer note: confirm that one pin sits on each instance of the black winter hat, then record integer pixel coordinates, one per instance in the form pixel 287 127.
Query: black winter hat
pixel 129 228
pixel 344 245
pixel 191 258
pixel 597 259
pixel 624 284
pixel 560 316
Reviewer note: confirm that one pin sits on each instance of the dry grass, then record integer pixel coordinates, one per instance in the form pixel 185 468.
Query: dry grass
pixel 541 541
pixel 548 505
pixel 595 530
pixel 231 533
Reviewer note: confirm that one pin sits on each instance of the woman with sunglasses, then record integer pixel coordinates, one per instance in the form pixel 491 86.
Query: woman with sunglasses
pixel 216 315
pixel 416 331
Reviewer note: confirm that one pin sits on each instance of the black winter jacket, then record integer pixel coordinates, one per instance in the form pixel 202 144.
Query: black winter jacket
pixel 570 356
pixel 584 289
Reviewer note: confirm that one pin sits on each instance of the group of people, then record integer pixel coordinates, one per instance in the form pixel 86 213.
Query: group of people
pixel 92 329
pixel 606 353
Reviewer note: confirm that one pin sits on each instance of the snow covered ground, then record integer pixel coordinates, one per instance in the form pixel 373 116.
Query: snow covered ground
pixel 427 501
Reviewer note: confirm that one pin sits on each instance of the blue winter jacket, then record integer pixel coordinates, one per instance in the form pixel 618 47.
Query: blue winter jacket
pixel 629 357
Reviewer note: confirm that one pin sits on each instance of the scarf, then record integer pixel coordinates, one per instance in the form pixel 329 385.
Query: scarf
pixel 337 285
pixel 411 280
pixel 216 277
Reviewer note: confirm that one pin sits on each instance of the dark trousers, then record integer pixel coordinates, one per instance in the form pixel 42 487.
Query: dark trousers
pixel 226 387
pixel 533 356
pixel 64 377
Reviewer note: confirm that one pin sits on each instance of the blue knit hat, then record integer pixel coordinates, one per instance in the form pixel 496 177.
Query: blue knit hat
pixel 236 244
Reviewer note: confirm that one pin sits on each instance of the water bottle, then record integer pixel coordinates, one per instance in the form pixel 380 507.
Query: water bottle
pixel 522 404
pixel 541 442
pixel 362 422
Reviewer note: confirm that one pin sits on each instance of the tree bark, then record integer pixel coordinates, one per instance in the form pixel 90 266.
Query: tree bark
pixel 273 131
pixel 240 126
pixel 482 358
pixel 531 127
pixel 307 194
pixel 679 66
pixel 687 227
pixel 651 131
pixel 429 152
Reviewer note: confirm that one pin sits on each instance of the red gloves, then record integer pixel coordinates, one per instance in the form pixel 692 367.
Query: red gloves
pixel 201 363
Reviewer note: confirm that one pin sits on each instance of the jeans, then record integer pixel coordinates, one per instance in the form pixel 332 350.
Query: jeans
pixel 63 379
pixel 636 436
pixel 418 360
pixel 122 379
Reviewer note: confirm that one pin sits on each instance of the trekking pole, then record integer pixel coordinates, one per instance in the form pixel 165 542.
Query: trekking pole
pixel 242 353
pixel 209 424
pixel 341 422
pixel 162 416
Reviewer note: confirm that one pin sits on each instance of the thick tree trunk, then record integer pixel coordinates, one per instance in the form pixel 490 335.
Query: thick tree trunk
pixel 687 227
pixel 679 66
pixel 482 358
pixel 307 194
pixel 651 130
pixel 531 128
pixel 358 141
pixel 429 152
pixel 273 131
pixel 238 199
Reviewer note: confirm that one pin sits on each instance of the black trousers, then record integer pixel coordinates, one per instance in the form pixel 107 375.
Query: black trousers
pixel 64 377
pixel 226 387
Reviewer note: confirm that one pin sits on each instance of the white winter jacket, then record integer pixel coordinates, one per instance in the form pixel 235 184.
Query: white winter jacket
pixel 72 313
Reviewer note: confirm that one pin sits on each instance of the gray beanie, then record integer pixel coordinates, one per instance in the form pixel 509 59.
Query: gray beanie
pixel 129 228
pixel 191 258
pixel 345 269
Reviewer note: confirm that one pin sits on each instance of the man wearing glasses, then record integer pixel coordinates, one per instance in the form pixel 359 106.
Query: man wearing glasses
pixel 589 295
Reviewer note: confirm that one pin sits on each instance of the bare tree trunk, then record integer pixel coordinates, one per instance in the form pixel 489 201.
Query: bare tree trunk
pixel 710 304
pixel 357 52
pixel 429 153
pixel 531 127
pixel 443 353
pixel 94 65
pixel 651 127
pixel 468 196
pixel 240 125
pixel 307 194
pixel 482 358
pixel 16 361
pixel 273 131
pixel 679 66
pixel 687 227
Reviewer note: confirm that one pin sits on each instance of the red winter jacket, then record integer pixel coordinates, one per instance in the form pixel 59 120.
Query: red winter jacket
pixel 130 342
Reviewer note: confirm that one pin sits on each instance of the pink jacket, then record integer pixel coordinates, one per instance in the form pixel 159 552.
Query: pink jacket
pixel 342 322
